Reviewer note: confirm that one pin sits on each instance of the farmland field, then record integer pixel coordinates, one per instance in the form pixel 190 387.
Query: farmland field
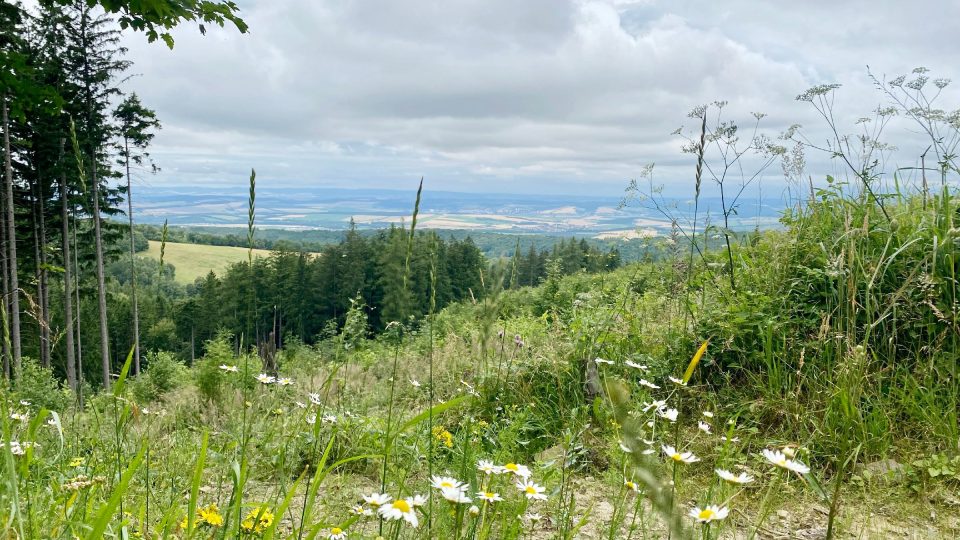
pixel 196 260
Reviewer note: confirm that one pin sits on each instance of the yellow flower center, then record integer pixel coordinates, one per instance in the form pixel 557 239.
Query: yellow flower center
pixel 511 467
pixel 677 457
pixel 446 484
pixel 531 490
pixel 782 463
pixel 631 485
pixel 706 513
pixel 336 530
pixel 489 495
pixel 401 505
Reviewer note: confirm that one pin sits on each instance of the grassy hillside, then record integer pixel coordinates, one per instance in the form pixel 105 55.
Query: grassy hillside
pixel 196 260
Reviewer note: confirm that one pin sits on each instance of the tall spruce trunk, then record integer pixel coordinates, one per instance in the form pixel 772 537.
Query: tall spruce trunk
pixel 101 284
pixel 6 281
pixel 71 367
pixel 133 266
pixel 79 317
pixel 40 256
pixel 11 245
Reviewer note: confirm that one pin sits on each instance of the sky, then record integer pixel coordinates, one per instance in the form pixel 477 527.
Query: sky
pixel 525 96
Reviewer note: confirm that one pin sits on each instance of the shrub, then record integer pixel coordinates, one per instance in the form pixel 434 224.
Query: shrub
pixel 163 373
pixel 40 387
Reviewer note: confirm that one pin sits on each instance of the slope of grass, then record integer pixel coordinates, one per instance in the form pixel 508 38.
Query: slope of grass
pixel 196 260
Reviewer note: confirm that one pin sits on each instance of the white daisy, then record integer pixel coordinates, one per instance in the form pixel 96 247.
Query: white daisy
pixel 648 384
pixel 377 499
pixel 676 381
pixel 336 533
pixel 709 514
pixel 680 457
pixel 487 467
pixel 520 470
pixel 455 495
pixel 635 365
pixel 742 478
pixel 314 398
pixel 703 426
pixel 285 381
pixel 229 369
pixel 400 509
pixel 599 361
pixel 532 491
pixel 631 485
pixel 777 458
pixel 489 496
pixel 669 414
pixel 445 482
pixel 263 378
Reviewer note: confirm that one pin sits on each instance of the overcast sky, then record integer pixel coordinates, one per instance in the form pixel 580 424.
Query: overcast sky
pixel 511 95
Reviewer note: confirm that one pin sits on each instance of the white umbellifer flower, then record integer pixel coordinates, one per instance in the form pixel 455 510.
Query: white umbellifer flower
pixel 742 478
pixel 377 499
pixel 336 533
pixel 285 381
pixel 489 496
pixel 599 361
pixel 635 365
pixel 263 378
pixel 520 470
pixel 455 495
pixel 415 383
pixel 21 417
pixel 680 457
pixel 669 414
pixel 300 405
pixel 703 426
pixel 532 491
pixel 532 518
pixel 631 485
pixel 676 381
pixel 709 513
pixel 708 414
pixel 16 448
pixel 648 384
pixel 400 509
pixel 777 458
pixel 487 467
pixel 329 419
pixel 314 398
pixel 229 369
pixel 444 482
pixel 311 419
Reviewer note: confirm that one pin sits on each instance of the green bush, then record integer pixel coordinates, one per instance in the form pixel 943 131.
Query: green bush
pixel 163 373
pixel 38 385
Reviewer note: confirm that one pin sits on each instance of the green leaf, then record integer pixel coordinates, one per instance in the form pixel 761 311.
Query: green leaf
pixel 106 511
pixel 195 485
pixel 122 379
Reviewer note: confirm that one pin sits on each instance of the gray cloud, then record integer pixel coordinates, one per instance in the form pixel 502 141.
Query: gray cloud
pixel 567 95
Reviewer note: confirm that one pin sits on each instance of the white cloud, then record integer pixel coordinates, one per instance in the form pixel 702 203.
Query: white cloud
pixel 504 95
